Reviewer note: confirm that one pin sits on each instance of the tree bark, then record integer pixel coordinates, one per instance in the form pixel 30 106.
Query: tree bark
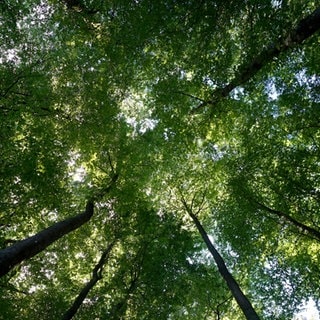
pixel 27 248
pixel 235 289
pixel 305 29
pixel 96 276
pixel 314 233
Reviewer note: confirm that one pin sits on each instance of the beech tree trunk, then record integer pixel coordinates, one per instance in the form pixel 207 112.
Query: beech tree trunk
pixel 237 293
pixel 305 29
pixel 96 276
pixel 302 227
pixel 27 248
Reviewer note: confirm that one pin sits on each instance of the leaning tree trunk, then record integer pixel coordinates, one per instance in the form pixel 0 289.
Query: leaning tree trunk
pixel 237 293
pixel 96 276
pixel 27 248
pixel 304 30
pixel 306 230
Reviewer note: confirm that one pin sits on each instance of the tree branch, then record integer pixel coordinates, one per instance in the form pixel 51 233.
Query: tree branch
pixel 304 30
pixel 304 228
pixel 96 276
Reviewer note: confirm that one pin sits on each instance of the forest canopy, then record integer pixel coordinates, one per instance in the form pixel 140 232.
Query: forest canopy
pixel 159 159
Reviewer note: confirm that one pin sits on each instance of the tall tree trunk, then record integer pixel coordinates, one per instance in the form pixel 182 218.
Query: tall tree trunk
pixel 96 276
pixel 305 29
pixel 237 293
pixel 27 248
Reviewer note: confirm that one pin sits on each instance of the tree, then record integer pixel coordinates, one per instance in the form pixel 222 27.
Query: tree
pixel 27 248
pixel 96 276
pixel 187 97
pixel 236 291
pixel 305 29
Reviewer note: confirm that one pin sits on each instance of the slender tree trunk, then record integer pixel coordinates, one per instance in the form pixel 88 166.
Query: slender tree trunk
pixel 305 29
pixel 96 276
pixel 237 293
pixel 314 233
pixel 27 248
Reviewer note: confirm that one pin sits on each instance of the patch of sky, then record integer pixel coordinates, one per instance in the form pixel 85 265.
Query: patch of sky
pixel 77 171
pixel 167 134
pixel 38 15
pixel 209 82
pixel 308 311
pixel 215 152
pixel 10 55
pixel 136 114
pixel 304 79
pixel 32 23
pixel 237 93
pixel 311 83
pixel 141 126
pixel 276 3
pixel 271 90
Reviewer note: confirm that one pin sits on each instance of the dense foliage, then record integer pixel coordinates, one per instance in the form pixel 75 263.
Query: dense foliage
pixel 159 112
